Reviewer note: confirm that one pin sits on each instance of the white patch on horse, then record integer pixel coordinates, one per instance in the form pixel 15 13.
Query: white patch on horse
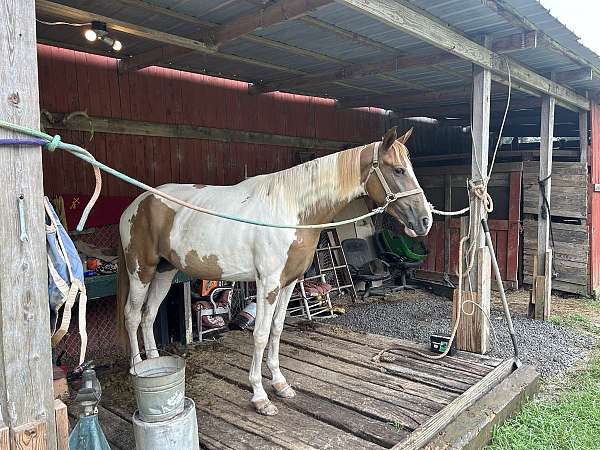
pixel 154 231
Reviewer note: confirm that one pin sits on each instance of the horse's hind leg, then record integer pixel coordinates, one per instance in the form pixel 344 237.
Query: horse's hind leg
pixel 278 381
pixel 159 287
pixel 133 313
pixel 266 294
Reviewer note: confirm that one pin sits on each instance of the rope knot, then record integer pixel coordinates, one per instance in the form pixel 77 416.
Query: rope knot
pixel 480 191
pixel 54 143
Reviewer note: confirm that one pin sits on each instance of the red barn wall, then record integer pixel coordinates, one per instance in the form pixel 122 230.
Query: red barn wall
pixel 75 81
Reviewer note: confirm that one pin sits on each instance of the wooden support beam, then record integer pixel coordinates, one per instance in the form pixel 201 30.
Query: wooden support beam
pixel 544 218
pixel 476 328
pixel 4 436
pixel 515 42
pixel 389 65
pixel 447 207
pixel 26 398
pixel 161 11
pixel 434 425
pixel 62 425
pixel 183 131
pixel 47 8
pixel 572 76
pixel 278 12
pixel 349 35
pixel 512 16
pixel 356 71
pixel 583 137
pixel 405 17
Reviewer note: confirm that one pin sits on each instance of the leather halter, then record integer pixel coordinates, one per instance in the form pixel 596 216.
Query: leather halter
pixel 390 196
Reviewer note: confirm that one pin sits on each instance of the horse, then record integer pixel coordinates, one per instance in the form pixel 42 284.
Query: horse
pixel 159 238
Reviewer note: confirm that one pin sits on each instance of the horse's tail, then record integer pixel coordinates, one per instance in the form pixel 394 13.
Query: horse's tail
pixel 122 294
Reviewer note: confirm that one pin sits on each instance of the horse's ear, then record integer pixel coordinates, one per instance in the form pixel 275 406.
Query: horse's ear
pixel 406 136
pixel 389 138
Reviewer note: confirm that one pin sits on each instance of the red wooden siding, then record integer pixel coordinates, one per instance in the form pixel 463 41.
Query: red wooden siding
pixel 505 237
pixel 74 81
pixel 594 199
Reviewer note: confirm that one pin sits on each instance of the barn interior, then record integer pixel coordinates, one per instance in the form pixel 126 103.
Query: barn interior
pixel 213 92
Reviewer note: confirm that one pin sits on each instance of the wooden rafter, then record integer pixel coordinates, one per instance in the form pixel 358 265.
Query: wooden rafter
pixel 46 7
pixel 409 19
pixel 358 71
pixel 272 14
pixel 512 16
pixel 182 44
pixel 155 9
pixel 218 35
pixel 391 64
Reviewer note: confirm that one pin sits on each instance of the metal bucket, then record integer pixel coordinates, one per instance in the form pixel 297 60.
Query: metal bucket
pixel 179 433
pixel 159 385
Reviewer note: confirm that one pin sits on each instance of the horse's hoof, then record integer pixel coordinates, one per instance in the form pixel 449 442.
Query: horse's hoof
pixel 265 407
pixel 284 390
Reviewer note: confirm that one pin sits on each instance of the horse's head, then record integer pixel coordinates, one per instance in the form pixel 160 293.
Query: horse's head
pixel 392 180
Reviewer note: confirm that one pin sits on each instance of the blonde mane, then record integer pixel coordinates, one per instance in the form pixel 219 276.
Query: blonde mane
pixel 321 183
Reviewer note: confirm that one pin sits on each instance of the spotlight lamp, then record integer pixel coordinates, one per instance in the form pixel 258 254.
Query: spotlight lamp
pixel 99 32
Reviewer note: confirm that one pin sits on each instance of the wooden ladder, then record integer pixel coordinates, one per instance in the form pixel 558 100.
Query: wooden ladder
pixel 330 261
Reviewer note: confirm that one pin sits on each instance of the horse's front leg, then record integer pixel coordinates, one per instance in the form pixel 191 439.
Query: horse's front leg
pixel 266 295
pixel 279 383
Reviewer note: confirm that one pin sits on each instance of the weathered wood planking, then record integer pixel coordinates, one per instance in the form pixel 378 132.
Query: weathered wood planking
pixel 74 81
pixel 62 425
pixel 442 240
pixel 341 402
pixel 569 189
pixel 570 254
pixel 4 436
pixel 25 355
pixel 433 426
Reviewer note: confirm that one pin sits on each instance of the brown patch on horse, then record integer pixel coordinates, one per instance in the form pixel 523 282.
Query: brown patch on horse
pixel 272 296
pixel 199 186
pixel 150 237
pixel 301 251
pixel 206 268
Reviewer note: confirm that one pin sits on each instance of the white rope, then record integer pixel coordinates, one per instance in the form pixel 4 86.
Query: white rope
pixel 449 213
pixel 476 190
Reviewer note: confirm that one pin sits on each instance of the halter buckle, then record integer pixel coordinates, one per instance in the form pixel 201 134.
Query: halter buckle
pixel 391 197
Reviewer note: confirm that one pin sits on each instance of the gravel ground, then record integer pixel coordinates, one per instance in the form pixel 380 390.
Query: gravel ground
pixel 550 348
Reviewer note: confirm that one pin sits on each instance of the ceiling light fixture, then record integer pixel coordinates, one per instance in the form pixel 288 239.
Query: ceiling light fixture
pixel 98 32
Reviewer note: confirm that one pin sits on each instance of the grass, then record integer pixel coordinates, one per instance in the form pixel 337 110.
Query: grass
pixel 576 321
pixel 571 421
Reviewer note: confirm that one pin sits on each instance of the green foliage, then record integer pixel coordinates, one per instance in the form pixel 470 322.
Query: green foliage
pixel 571 421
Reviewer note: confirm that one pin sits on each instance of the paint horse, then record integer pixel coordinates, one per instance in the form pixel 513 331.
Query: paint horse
pixel 159 238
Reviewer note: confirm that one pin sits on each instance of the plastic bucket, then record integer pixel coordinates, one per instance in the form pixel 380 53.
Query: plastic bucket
pixel 159 386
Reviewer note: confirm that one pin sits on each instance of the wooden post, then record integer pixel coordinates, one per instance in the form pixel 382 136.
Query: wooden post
pixel 62 425
pixel 187 313
pixel 583 136
pixel 447 207
pixel 3 436
pixel 474 331
pixel 26 398
pixel 542 296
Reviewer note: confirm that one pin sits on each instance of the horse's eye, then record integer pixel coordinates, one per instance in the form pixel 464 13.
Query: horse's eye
pixel 399 170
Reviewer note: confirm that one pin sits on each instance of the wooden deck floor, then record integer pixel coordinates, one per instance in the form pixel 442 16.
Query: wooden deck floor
pixel 343 400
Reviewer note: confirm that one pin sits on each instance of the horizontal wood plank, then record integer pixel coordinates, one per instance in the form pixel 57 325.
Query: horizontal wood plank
pixel 57 121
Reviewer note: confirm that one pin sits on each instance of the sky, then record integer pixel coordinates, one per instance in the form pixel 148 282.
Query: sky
pixel 581 17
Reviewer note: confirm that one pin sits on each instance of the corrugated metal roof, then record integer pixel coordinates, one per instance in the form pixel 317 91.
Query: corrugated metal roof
pixel 307 38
